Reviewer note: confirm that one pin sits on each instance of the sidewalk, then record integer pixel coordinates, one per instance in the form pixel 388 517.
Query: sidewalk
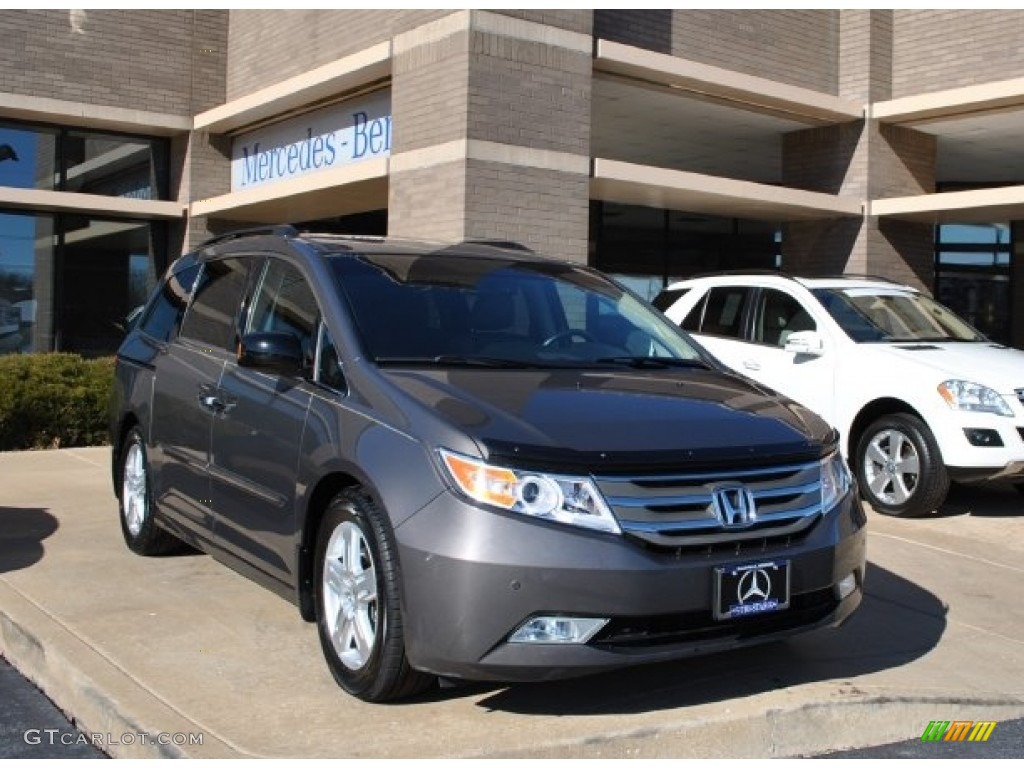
pixel 184 646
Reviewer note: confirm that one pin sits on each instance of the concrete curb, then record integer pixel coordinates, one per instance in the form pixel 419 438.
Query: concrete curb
pixel 92 691
pixel 103 700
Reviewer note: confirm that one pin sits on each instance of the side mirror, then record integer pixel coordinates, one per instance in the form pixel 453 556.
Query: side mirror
pixel 805 343
pixel 279 353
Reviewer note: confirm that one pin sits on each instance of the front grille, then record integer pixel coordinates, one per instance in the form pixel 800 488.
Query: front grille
pixel 678 511
pixel 651 631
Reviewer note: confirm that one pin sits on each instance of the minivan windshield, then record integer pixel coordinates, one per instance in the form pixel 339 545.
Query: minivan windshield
pixel 883 315
pixel 457 310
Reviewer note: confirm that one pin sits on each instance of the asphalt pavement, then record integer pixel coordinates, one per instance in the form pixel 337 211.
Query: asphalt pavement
pixel 32 727
pixel 179 656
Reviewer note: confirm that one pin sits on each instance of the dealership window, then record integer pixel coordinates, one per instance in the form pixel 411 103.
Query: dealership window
pixel 972 275
pixel 68 282
pixel 77 160
pixel 648 248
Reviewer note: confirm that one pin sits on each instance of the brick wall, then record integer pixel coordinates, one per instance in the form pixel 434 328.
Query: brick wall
pixel 429 94
pixel 934 50
pixel 268 46
pixel 574 21
pixel 799 47
pixel 865 54
pixel 543 209
pixel 136 59
pixel 529 94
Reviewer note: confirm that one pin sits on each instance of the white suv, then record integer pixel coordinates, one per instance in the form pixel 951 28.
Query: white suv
pixel 918 396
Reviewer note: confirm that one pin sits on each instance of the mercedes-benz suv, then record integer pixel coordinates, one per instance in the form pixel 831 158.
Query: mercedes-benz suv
pixel 919 397
pixel 472 462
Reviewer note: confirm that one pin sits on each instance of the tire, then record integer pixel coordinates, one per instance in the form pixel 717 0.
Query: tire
pixel 358 602
pixel 141 533
pixel 899 467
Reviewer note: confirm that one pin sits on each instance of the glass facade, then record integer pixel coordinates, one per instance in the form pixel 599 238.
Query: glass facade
pixel 67 281
pixel 649 248
pixel 972 275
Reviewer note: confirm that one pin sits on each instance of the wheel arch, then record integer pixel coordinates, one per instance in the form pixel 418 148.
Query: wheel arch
pixel 129 421
pixel 327 488
pixel 883 406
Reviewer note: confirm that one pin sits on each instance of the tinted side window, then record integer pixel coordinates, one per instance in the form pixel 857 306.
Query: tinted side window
pixel 214 311
pixel 329 371
pixel 168 306
pixel 285 303
pixel 780 316
pixel 723 312
pixel 668 297
pixel 693 318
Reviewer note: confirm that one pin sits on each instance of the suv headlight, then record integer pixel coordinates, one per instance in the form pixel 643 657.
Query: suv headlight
pixel 564 499
pixel 835 480
pixel 968 396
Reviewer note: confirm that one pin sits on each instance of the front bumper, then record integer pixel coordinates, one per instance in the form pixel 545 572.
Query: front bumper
pixel 967 462
pixel 472 576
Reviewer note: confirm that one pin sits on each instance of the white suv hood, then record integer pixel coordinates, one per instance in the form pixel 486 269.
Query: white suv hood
pixel 986 363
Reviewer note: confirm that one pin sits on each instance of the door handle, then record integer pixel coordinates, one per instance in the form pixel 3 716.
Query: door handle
pixel 752 365
pixel 211 403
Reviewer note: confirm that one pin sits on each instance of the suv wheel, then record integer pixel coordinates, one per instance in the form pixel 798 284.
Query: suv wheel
pixel 358 603
pixel 140 531
pixel 899 467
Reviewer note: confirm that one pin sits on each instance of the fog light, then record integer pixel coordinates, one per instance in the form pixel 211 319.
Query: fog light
pixel 570 630
pixel 983 438
pixel 846 586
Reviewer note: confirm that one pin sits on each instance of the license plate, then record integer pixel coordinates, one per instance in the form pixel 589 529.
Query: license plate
pixel 751 589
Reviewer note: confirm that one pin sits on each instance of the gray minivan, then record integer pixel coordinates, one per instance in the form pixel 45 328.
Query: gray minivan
pixel 472 462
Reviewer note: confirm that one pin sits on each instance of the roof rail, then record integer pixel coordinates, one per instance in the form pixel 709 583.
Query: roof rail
pixel 510 245
pixel 857 276
pixel 281 230
pixel 772 272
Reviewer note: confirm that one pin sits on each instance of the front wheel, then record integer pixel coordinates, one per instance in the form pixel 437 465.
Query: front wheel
pixel 358 603
pixel 900 468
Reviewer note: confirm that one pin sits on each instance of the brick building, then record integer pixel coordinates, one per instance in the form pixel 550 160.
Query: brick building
pixel 651 144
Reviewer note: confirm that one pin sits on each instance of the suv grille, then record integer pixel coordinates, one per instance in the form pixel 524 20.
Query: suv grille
pixel 674 511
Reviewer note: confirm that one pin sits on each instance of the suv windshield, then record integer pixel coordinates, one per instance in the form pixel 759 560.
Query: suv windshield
pixel 482 311
pixel 874 314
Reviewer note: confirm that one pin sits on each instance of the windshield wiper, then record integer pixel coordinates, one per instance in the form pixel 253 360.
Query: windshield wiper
pixel 654 362
pixel 469 361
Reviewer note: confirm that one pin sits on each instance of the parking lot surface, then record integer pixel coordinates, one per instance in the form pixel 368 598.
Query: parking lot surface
pixel 181 656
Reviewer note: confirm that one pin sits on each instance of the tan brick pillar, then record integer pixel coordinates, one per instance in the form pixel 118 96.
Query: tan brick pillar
pixel 492 130
pixel 867 160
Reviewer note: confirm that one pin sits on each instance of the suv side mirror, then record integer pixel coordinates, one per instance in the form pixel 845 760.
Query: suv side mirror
pixel 805 343
pixel 271 352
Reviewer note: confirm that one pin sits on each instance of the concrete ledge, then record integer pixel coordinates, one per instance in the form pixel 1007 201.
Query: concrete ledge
pixel 98 116
pixel 744 91
pixel 952 103
pixel 976 205
pixel 633 184
pixel 308 89
pixel 80 202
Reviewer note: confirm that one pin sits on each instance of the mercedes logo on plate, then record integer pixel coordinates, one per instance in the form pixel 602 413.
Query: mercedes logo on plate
pixel 755 584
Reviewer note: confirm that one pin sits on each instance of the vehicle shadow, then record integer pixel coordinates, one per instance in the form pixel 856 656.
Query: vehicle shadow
pixel 22 531
pixel 984 500
pixel 896 623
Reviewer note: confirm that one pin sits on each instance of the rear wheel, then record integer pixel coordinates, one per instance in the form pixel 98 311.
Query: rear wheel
pixel 140 531
pixel 899 467
pixel 358 602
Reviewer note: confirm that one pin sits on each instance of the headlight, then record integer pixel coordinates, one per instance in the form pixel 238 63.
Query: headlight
pixel 968 396
pixel 571 500
pixel 835 480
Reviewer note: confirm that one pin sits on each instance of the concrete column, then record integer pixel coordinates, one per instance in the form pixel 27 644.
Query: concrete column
pixel 492 131
pixel 865 159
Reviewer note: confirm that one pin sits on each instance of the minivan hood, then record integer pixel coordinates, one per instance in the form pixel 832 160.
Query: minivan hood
pixel 987 363
pixel 605 419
